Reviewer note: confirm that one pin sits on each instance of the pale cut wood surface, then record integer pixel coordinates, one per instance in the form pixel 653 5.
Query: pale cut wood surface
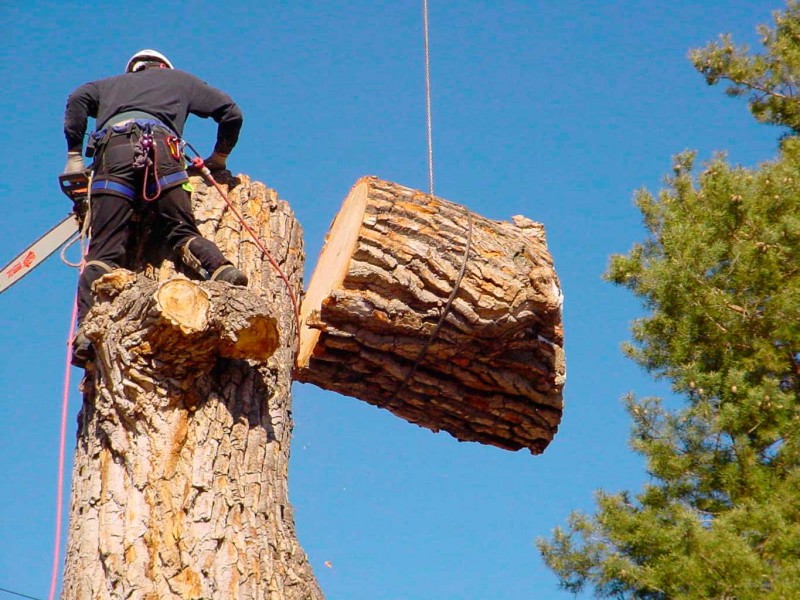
pixel 494 373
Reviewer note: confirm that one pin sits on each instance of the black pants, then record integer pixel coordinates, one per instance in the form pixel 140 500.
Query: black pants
pixel 111 215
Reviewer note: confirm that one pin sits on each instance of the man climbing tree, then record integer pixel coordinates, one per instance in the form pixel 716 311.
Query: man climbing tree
pixel 718 271
pixel 179 484
pixel 138 161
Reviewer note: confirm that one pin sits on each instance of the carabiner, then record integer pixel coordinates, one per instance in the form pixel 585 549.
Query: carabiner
pixel 175 145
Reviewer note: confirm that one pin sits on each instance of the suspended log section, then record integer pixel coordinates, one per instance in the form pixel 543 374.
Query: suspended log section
pixel 378 322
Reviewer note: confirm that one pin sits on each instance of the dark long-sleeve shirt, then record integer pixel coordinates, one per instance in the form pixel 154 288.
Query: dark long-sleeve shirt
pixel 169 95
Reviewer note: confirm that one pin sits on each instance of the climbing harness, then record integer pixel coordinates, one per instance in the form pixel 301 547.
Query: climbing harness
pixel 145 154
pixel 143 151
pixel 80 186
pixel 145 157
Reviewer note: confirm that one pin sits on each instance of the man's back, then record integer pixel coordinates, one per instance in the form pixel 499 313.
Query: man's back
pixel 169 95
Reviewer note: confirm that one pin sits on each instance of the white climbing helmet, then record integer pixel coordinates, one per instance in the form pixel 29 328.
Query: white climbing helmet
pixel 138 61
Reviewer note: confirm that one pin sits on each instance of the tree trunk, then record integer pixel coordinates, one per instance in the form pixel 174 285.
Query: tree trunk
pixel 491 371
pixel 180 473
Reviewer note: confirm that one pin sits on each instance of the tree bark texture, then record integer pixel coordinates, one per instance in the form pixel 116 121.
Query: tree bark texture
pixel 180 473
pixel 493 372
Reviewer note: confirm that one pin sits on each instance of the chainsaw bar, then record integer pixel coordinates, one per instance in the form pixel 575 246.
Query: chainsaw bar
pixel 37 252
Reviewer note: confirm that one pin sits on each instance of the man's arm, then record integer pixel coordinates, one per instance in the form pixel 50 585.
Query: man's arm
pixel 81 105
pixel 207 101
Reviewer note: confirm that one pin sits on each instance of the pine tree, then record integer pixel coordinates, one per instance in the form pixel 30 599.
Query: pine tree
pixel 770 80
pixel 720 278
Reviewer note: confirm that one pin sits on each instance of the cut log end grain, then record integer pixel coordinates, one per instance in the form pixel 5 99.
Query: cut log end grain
pixel 331 268
pixel 258 340
pixel 377 323
pixel 184 304
pixel 182 321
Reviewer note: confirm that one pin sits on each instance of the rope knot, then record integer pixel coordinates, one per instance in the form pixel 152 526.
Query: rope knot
pixel 142 152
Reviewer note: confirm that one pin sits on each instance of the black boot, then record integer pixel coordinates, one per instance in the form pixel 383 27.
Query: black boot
pixel 230 274
pixel 82 351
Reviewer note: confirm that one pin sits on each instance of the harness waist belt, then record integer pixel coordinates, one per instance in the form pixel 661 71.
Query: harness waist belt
pixel 114 186
pixel 124 127
pixel 129 192
pixel 167 180
pixel 129 115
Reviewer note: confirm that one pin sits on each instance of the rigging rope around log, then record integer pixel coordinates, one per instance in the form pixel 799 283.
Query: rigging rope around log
pixel 445 311
pixel 457 284
pixel 198 163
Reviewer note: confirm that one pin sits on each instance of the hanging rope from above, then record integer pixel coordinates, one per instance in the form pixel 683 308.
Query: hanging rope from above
pixel 428 93
pixel 457 284
pixel 394 315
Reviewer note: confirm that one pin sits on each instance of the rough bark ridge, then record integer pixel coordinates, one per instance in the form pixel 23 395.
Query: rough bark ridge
pixel 495 370
pixel 180 474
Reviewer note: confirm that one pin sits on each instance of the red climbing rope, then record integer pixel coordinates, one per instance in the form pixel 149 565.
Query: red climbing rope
pixel 199 164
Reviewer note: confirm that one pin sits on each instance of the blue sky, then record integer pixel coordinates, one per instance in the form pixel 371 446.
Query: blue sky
pixel 555 110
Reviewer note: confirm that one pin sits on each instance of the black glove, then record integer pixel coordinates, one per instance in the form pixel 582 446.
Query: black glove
pixel 217 161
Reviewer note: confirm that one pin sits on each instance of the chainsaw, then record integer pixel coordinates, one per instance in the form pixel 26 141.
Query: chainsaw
pixel 76 187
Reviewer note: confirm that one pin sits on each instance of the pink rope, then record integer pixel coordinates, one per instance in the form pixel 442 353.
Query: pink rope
pixel 64 410
pixel 62 454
